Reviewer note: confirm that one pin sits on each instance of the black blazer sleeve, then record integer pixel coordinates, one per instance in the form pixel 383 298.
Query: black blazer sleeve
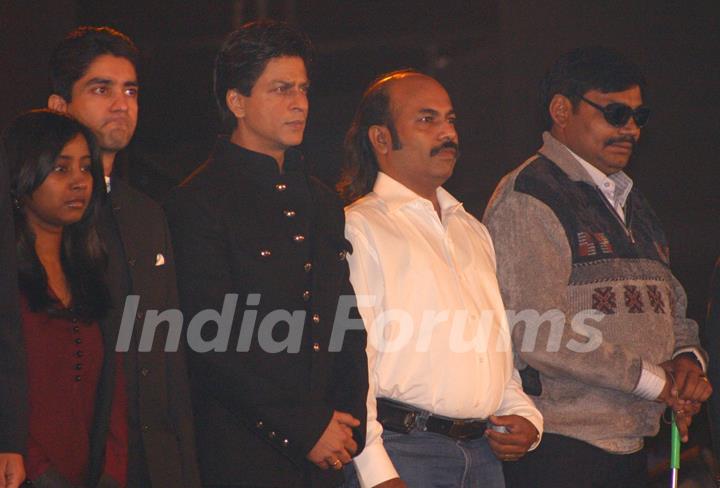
pixel 350 369
pixel 179 401
pixel 13 380
pixel 350 380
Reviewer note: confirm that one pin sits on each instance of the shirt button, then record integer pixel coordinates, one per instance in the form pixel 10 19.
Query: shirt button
pixel 265 253
pixel 77 378
pixel 259 424
pixel 289 213
pixel 79 354
pixel 78 366
pixel 316 318
pixel 306 295
pixel 76 328
pixel 307 267
pixel 298 238
pixel 342 255
pixel 144 371
pixel 281 187
pixel 316 347
pixel 145 428
pixel 272 434
pixel 285 442
pixel 74 320
pixel 78 341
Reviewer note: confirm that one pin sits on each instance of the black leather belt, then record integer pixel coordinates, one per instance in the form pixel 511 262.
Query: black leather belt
pixel 403 418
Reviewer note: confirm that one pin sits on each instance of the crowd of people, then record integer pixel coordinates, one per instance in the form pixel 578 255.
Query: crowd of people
pixel 258 328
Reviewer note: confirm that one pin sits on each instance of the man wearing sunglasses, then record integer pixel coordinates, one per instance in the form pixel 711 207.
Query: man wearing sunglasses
pixel 604 345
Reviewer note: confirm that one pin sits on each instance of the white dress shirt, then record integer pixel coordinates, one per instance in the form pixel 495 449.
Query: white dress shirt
pixel 438 337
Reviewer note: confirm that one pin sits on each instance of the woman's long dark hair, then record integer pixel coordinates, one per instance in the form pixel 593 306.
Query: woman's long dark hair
pixel 31 145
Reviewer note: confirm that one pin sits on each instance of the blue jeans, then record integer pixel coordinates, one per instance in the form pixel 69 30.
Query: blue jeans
pixel 427 460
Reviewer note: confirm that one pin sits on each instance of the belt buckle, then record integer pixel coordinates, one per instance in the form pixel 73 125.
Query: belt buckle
pixel 396 417
pixel 463 429
pixel 456 430
pixel 409 421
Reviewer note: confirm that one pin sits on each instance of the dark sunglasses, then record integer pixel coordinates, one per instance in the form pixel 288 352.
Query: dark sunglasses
pixel 618 114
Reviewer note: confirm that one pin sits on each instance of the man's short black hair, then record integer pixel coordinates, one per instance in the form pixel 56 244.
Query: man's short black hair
pixel 246 52
pixel 75 53
pixel 590 68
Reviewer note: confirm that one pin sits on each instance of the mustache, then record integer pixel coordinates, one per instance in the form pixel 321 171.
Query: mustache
pixel 118 118
pixel 446 145
pixel 629 139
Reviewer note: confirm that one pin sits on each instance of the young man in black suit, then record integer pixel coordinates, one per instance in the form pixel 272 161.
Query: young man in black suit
pixel 274 405
pixel 93 77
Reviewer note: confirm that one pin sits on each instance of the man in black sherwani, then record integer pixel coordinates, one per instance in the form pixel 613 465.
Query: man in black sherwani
pixel 278 401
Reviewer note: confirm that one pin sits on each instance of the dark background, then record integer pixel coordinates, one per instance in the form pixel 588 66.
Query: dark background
pixel 490 55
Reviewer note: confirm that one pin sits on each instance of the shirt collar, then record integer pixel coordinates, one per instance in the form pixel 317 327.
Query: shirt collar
pixel 568 162
pixel 619 185
pixel 395 195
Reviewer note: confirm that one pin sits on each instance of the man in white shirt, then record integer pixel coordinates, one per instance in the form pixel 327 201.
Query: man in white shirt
pixel 439 353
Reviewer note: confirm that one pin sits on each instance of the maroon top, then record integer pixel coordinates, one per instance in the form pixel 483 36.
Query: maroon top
pixel 64 361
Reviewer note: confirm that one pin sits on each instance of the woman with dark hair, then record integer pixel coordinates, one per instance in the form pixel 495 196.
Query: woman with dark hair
pixel 57 187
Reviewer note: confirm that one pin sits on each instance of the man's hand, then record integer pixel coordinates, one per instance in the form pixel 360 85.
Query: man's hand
pixel 12 470
pixel 690 386
pixel 392 483
pixel 684 420
pixel 336 445
pixel 691 383
pixel 513 444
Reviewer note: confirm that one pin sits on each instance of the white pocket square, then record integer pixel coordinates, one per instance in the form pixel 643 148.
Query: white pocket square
pixel 159 259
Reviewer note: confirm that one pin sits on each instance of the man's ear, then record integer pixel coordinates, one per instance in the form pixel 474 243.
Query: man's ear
pixel 236 103
pixel 57 103
pixel 380 138
pixel 560 109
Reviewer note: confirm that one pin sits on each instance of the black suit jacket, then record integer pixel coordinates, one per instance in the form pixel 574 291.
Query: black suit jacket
pixel 240 227
pixel 13 381
pixel 162 444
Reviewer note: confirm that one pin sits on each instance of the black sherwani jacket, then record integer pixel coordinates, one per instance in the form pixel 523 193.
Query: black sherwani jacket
pixel 140 262
pixel 276 240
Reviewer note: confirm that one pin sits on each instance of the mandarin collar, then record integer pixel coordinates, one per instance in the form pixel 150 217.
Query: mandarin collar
pixel 256 164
